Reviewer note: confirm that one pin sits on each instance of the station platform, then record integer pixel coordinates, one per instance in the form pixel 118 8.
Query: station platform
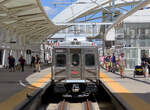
pixel 16 86
pixel 133 93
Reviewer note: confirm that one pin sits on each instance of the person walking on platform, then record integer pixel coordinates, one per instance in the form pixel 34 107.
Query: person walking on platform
pixel 22 63
pixel 33 61
pixel 148 66
pixel 113 60
pixel 37 63
pixel 102 61
pixel 122 65
pixel 144 60
pixel 108 63
pixel 11 62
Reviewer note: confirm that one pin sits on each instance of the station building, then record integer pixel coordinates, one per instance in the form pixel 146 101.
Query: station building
pixel 132 37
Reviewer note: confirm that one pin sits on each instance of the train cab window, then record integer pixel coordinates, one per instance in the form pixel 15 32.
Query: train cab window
pixel 75 59
pixel 89 60
pixel 60 60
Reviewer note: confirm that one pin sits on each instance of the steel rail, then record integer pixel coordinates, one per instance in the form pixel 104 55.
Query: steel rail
pixel 62 105
pixel 88 105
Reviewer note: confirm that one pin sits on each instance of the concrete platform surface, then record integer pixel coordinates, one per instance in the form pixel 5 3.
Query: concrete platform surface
pixel 133 93
pixel 15 85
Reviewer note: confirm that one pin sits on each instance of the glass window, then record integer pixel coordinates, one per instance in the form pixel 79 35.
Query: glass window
pixel 89 60
pixel 75 60
pixel 61 60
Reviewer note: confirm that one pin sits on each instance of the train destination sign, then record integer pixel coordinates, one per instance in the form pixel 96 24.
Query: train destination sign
pixel 60 50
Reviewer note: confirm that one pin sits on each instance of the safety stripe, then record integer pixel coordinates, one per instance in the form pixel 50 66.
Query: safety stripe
pixel 15 100
pixel 134 101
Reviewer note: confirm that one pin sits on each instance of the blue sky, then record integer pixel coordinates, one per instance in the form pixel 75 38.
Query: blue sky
pixel 53 10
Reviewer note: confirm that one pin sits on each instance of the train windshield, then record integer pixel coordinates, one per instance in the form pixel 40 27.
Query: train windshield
pixel 61 60
pixel 89 60
pixel 75 59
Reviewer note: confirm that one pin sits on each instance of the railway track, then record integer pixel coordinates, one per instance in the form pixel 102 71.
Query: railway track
pixel 63 105
pixel 102 100
pixel 88 105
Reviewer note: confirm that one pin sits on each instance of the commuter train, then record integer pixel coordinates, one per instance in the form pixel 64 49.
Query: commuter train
pixel 75 68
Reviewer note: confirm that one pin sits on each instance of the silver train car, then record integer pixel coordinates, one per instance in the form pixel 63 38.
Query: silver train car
pixel 75 68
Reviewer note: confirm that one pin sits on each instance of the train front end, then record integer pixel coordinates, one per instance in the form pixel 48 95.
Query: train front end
pixel 75 69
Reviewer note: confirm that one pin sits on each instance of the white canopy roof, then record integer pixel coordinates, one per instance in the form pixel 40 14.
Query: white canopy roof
pixel 141 16
pixel 26 18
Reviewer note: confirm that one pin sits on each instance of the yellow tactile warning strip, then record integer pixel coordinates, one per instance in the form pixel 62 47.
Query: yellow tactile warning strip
pixel 15 100
pixel 134 101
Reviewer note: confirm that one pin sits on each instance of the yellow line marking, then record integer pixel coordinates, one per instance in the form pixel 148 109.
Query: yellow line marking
pixel 134 101
pixel 15 100
pixel 40 82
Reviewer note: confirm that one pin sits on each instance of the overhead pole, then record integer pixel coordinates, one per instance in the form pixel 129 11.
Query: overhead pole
pixel 113 9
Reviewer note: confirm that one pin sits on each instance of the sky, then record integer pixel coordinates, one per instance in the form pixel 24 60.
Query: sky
pixel 51 9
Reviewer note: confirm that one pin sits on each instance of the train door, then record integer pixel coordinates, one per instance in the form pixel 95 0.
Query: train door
pixel 60 64
pixel 76 64
pixel 90 64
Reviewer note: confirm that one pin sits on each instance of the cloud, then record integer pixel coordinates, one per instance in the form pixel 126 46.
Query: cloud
pixel 50 11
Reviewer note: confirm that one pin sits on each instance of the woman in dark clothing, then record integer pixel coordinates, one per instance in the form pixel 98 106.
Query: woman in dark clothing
pixel 22 62
pixel 11 61
pixel 32 61
pixel 37 63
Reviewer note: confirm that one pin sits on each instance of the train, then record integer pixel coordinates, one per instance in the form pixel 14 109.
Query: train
pixel 75 68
